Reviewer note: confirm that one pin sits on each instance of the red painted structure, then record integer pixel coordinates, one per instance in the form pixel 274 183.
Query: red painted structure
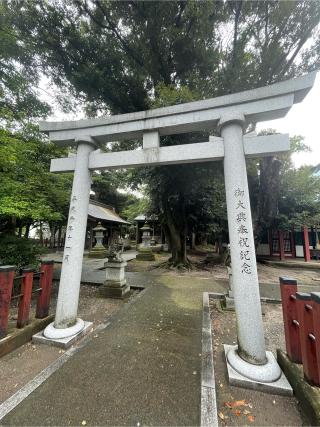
pixel 315 297
pixel 6 285
pixel 306 244
pixel 25 298
pixel 7 277
pixel 288 288
pixel 284 244
pixel 43 303
pixel 301 314
pixel 307 338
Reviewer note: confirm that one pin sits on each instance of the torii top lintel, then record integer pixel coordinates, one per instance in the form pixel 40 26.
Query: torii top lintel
pixel 265 103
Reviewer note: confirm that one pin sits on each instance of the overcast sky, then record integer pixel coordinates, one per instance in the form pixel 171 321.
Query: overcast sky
pixel 303 119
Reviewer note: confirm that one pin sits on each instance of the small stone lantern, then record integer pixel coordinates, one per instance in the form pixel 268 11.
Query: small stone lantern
pixel 98 251
pixel 146 235
pixel 144 251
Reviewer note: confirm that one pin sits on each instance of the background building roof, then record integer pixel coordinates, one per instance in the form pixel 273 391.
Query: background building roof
pixel 104 212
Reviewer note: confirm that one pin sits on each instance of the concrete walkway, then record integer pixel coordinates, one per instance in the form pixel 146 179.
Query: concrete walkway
pixel 144 369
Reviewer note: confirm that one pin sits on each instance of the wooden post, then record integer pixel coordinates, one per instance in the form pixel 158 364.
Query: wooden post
pixel 43 302
pixel 315 296
pixel 306 244
pixel 307 338
pixel 25 299
pixel 6 285
pixel 281 245
pixel 288 289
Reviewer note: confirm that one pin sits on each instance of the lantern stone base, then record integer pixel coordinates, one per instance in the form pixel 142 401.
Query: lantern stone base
pixel 115 285
pixel 114 290
pixel 145 254
pixel 98 253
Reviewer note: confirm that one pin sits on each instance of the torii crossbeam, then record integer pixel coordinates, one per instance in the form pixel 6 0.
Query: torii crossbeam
pixel 231 114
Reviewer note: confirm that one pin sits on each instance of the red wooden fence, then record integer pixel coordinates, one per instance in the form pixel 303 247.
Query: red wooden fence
pixel 301 315
pixel 7 277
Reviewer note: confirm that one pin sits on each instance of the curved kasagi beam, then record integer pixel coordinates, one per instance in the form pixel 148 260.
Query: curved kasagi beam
pixel 261 104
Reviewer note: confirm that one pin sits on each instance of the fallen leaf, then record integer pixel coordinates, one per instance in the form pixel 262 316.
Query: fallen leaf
pixel 221 415
pixel 236 404
pixel 251 418
pixel 246 412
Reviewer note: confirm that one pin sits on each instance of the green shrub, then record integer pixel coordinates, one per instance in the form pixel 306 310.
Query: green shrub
pixel 19 252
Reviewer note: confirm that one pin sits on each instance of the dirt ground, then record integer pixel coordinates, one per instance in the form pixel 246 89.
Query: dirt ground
pixel 218 271
pixel 238 406
pixel 23 364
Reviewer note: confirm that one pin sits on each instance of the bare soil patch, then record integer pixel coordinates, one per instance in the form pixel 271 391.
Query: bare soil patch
pixel 238 406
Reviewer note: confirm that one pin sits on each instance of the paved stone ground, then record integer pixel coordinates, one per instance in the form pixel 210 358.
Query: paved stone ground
pixel 144 368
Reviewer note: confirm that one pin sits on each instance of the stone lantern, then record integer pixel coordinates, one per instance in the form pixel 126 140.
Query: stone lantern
pixel 98 251
pixel 144 251
pixel 146 235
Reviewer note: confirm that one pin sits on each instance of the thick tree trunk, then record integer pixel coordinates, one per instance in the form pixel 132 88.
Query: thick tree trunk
pixel 178 239
pixel 268 195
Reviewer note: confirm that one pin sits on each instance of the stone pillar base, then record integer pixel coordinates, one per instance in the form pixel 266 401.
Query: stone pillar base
pixel 268 378
pixel 98 253
pixel 61 337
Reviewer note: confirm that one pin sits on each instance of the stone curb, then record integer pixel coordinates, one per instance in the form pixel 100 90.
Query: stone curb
pixel 209 416
pixel 307 395
pixel 21 336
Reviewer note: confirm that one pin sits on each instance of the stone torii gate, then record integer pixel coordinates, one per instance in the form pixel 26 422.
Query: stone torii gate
pixel 230 114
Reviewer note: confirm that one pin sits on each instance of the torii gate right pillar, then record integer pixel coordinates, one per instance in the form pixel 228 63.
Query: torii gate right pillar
pixel 249 358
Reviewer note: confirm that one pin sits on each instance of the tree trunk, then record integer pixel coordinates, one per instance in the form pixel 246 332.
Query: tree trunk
pixel 59 237
pixel 26 233
pixel 269 189
pixel 178 238
pixel 41 233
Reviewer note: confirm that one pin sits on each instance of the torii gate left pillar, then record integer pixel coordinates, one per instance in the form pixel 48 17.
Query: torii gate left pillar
pixel 66 323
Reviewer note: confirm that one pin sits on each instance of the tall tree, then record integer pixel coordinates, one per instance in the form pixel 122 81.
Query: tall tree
pixel 29 193
pixel 119 56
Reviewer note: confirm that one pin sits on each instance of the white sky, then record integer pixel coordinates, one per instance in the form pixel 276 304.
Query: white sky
pixel 303 119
